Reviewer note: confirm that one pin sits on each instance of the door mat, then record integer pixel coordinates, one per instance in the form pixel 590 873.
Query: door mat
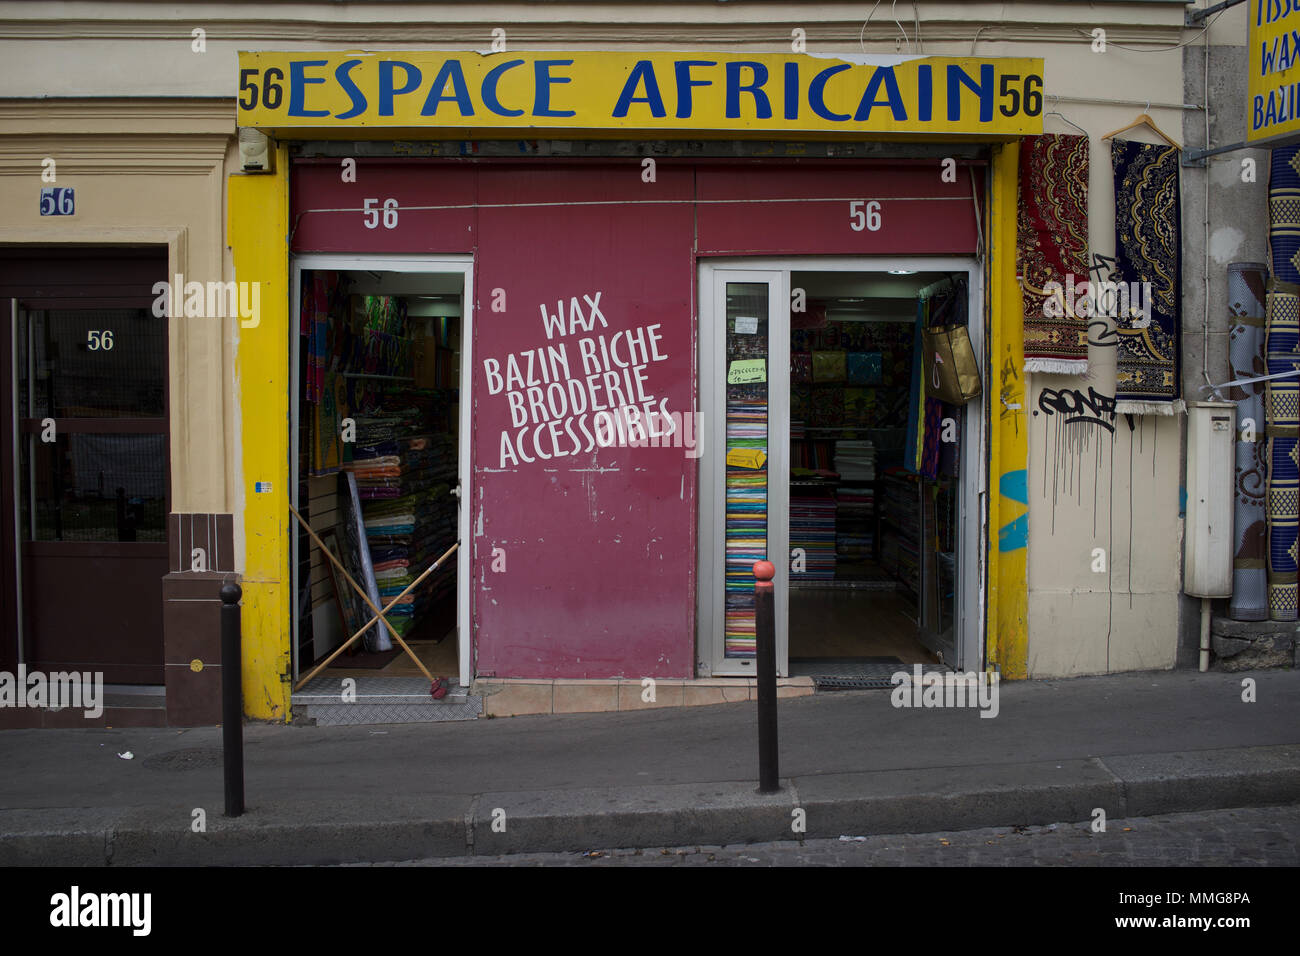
pixel 365 660
pixel 849 673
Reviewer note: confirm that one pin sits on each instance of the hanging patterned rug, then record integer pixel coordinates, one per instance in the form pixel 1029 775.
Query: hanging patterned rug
pixel 1052 247
pixel 1246 360
pixel 1283 410
pixel 1284 214
pixel 1282 397
pixel 1148 262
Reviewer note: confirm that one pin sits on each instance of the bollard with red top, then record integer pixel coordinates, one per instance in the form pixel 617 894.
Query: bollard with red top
pixel 765 638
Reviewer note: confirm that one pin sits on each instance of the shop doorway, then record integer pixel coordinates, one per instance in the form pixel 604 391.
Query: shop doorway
pixel 818 447
pixel 381 440
pixel 84 441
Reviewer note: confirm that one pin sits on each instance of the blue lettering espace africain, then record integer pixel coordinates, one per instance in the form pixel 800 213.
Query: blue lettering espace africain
pixel 741 82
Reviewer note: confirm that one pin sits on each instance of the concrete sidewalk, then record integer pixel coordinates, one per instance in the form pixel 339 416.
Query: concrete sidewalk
pixel 1132 745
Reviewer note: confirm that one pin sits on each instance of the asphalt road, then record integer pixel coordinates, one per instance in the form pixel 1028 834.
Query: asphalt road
pixel 1257 836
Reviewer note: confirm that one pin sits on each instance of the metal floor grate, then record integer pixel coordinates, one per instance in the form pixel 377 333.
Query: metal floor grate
pixel 382 700
pixel 853 673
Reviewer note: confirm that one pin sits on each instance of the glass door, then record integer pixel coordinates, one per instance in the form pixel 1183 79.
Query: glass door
pixel 859 351
pixel 745 345
pixel 90 428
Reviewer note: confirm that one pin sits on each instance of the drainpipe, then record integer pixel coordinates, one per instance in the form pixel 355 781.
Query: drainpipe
pixel 1205 634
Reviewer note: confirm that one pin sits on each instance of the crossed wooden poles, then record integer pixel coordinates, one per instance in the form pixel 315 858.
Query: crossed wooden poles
pixel 379 615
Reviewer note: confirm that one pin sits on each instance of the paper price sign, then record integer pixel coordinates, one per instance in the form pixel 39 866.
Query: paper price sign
pixel 747 372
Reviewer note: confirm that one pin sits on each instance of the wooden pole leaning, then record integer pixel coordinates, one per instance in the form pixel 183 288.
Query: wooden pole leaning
pixel 379 615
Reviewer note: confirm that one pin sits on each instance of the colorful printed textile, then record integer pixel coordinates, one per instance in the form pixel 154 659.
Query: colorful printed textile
pixel 1051 246
pixel 315 325
pixel 1284 214
pixel 1246 282
pixel 1282 396
pixel 933 429
pixel 829 367
pixel 915 405
pixel 1148 259
pixel 801 368
pixel 327 416
pixel 860 407
pixel 1282 406
pixel 864 368
pixel 827 409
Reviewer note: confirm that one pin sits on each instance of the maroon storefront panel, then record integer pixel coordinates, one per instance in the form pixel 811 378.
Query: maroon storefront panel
pixel 815 209
pixel 329 212
pixel 583 562
pixel 594 570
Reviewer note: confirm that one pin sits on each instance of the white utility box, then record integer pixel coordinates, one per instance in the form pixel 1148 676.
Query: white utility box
pixel 1211 474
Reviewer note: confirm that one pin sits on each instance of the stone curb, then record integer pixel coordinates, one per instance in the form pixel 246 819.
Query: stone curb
pixel 726 813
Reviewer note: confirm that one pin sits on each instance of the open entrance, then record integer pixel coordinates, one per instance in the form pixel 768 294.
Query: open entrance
pixel 829 449
pixel 874 475
pixel 378 433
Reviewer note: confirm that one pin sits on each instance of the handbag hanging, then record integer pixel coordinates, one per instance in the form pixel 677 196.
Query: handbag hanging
pixel 951 370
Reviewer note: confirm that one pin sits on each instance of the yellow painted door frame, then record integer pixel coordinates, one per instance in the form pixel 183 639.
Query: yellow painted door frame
pixel 257 228
pixel 1007 636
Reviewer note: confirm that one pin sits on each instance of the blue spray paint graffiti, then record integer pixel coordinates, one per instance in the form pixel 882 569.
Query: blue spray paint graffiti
pixel 1015 534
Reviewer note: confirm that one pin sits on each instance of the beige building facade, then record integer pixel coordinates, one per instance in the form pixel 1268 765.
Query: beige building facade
pixel 135 103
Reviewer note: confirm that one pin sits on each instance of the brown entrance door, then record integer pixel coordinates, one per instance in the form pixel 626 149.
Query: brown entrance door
pixel 87 495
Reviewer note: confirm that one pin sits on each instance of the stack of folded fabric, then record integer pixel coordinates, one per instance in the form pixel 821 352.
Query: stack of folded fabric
pixel 903 554
pixel 812 529
pixel 397 547
pixel 855 500
pixel 855 460
pixel 855 511
pixel 404 481
pixel 395 467
pixel 406 535
pixel 746 528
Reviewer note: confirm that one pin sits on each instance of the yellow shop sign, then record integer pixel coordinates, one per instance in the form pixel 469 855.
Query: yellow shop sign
pixel 753 93
pixel 1273 82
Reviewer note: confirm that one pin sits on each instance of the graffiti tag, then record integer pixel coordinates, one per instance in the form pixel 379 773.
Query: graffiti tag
pixel 1103 267
pixel 1091 409
pixel 1107 337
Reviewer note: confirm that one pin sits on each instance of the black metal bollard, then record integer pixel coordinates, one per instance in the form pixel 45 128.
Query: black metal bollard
pixel 232 700
pixel 765 621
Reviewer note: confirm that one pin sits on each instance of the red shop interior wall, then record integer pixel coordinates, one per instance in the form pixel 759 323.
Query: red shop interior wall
pixel 583 563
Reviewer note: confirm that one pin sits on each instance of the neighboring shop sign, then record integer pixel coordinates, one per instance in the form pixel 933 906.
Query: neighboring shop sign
pixel 1273 84
pixel 757 93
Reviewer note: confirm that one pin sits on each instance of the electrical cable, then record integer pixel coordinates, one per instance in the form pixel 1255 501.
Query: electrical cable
pixel 1164 49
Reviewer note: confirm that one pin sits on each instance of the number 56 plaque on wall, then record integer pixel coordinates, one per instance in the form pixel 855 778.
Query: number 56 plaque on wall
pixel 58 201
